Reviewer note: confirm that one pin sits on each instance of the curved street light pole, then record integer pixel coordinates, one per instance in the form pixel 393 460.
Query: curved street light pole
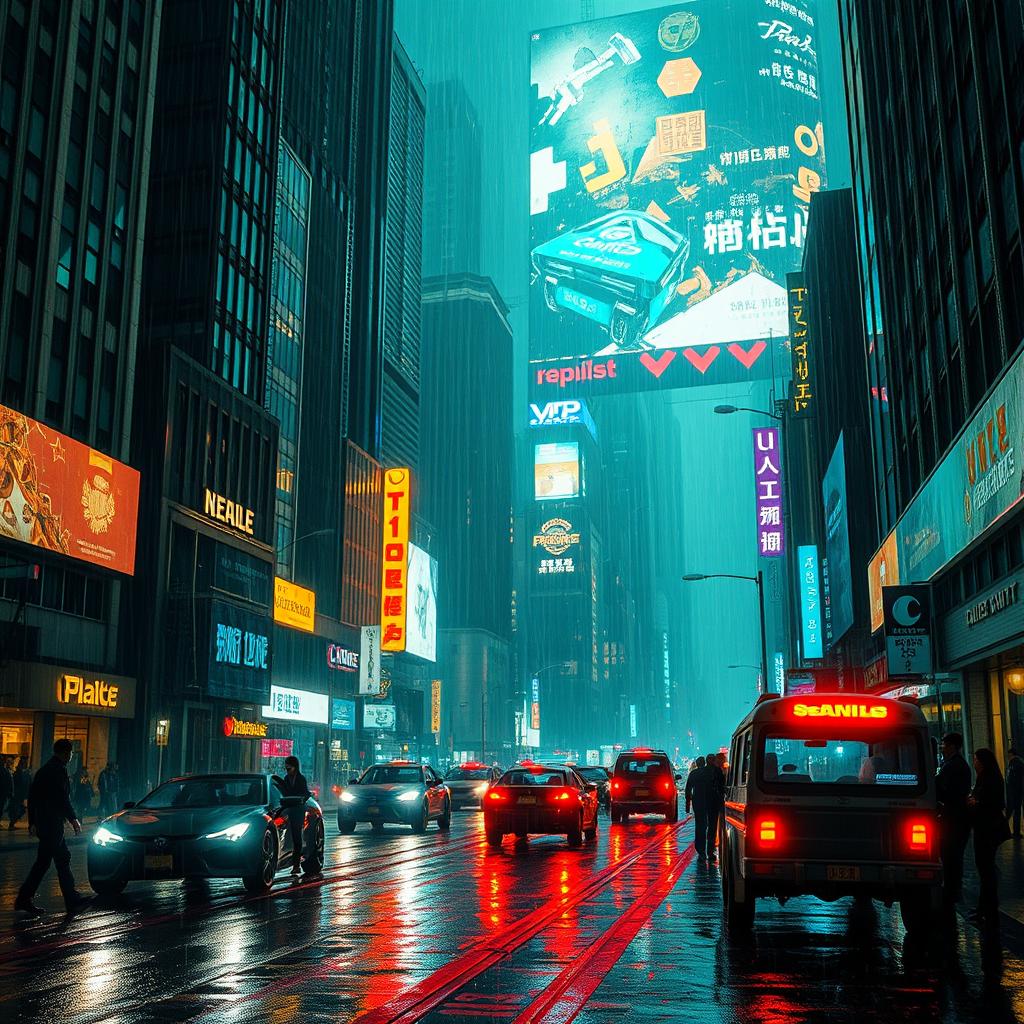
pixel 758 580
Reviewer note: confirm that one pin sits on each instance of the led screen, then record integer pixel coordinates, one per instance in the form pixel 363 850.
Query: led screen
pixel 673 154
pixel 421 617
pixel 839 593
pixel 556 471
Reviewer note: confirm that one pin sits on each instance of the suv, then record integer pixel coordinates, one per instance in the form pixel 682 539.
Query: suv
pixel 643 783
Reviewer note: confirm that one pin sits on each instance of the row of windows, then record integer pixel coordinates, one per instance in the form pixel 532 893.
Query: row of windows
pixel 59 589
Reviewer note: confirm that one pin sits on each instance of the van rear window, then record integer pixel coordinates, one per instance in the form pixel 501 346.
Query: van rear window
pixel 891 762
pixel 640 766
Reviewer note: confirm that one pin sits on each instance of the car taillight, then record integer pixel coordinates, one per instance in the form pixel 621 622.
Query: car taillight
pixel 768 833
pixel 919 836
pixel 616 786
pixel 563 794
pixel 668 785
pixel 496 795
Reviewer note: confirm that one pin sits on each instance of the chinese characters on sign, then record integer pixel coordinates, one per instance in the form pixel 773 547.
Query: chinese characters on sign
pixel 810 597
pixel 394 586
pixel 803 388
pixel 768 483
pixel 435 706
pixel 241 647
pixel 681 133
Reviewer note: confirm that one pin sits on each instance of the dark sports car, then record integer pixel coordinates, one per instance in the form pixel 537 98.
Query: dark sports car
pixel 204 826
pixel 620 271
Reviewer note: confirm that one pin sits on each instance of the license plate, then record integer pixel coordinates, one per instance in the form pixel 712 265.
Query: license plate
pixel 373 810
pixel 643 792
pixel 842 873
pixel 527 800
pixel 159 862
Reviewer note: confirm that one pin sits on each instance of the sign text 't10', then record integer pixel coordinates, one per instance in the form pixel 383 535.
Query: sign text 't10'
pixel 394 585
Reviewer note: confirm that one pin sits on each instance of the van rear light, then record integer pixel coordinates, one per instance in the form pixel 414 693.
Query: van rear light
pixel 768 833
pixel 668 785
pixel 919 835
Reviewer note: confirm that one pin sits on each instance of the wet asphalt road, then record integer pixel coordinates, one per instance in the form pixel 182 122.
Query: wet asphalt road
pixel 437 927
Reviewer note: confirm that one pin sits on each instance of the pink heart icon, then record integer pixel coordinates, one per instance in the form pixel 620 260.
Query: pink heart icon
pixel 702 362
pixel 748 358
pixel 657 366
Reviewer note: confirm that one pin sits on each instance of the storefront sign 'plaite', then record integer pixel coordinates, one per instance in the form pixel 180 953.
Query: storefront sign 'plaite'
pixel 395 582
pixel 93 693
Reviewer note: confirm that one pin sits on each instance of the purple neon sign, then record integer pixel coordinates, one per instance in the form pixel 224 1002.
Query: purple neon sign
pixel 771 537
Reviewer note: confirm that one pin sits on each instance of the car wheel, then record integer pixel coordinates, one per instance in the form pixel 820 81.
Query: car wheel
pixel 575 835
pixel 345 826
pixel 377 826
pixel 445 821
pixel 616 815
pixel 108 886
pixel 591 833
pixel 315 863
pixel 672 813
pixel 266 868
pixel 420 824
pixel 494 839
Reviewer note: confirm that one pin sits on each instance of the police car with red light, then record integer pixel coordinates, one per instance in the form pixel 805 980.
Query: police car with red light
pixel 831 795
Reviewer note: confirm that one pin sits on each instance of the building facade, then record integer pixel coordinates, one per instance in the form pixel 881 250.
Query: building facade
pixel 939 242
pixel 76 116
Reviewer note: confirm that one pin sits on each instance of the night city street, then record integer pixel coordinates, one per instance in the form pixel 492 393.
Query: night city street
pixel 437 927
pixel 511 511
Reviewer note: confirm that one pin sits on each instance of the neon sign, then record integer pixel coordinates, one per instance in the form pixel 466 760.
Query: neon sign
pixel 871 711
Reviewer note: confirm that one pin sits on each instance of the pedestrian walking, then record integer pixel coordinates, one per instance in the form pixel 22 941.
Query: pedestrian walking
pixel 1014 790
pixel 716 810
pixel 109 786
pixel 700 796
pixel 987 805
pixel 49 807
pixel 6 784
pixel 294 784
pixel 953 787
pixel 22 784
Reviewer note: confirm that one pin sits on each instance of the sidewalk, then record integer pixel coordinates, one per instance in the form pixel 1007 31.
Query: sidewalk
pixel 1010 863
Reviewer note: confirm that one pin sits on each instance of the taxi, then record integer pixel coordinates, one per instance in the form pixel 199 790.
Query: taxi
pixel 533 799
pixel 831 795
pixel 467 783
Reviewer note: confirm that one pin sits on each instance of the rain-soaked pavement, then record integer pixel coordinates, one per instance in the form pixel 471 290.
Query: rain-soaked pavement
pixel 438 927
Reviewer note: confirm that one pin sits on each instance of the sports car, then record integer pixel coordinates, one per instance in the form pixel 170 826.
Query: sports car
pixel 620 271
pixel 204 826
pixel 399 792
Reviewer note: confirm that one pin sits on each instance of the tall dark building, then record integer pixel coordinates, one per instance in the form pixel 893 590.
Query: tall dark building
pixel 75 125
pixel 206 446
pixel 402 268
pixel 939 236
pixel 466 491
pixel 452 200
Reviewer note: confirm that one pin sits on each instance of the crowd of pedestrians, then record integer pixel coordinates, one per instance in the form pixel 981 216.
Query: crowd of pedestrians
pixel 705 797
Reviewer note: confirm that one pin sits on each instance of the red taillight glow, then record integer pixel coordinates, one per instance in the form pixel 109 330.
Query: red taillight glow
pixel 768 832
pixel 918 835
pixel 563 794
pixel 496 795
pixel 616 785
pixel 668 785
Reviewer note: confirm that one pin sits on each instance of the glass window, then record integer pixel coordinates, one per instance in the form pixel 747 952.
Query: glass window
pixel 850 759
pixel 386 773
pixel 36 125
pixel 208 791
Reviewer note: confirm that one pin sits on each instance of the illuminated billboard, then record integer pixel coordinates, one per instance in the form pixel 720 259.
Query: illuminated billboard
pixel 395 575
pixel 421 620
pixel 839 586
pixel 63 496
pixel 883 571
pixel 810 600
pixel 556 471
pixel 673 154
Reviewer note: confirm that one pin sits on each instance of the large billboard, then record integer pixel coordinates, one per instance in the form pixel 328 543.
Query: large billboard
pixel 421 621
pixel 839 588
pixel 556 471
pixel 63 496
pixel 673 154
pixel 394 587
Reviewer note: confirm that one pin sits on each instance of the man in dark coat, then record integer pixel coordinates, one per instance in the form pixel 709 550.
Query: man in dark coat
pixel 953 786
pixel 294 784
pixel 701 795
pixel 49 806
pixel 1014 790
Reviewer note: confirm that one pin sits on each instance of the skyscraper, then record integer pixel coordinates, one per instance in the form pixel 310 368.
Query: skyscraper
pixel 75 126
pixel 402 267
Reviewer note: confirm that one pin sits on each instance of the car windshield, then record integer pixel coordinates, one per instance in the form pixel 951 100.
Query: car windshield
pixel 890 761
pixel 208 791
pixel 640 766
pixel 388 773
pixel 468 773
pixel 533 777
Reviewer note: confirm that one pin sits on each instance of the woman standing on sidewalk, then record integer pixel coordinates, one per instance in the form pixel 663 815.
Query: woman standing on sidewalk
pixel 988 820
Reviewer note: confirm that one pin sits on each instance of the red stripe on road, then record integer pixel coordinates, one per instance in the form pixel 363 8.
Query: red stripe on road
pixel 563 999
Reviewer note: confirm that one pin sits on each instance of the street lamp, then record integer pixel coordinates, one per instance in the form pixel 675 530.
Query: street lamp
pixel 758 580
pixel 728 410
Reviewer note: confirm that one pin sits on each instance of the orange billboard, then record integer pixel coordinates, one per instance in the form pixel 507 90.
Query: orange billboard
pixel 883 571
pixel 63 496
pixel 395 582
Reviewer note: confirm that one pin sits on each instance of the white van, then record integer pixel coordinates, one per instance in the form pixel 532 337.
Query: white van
pixel 831 795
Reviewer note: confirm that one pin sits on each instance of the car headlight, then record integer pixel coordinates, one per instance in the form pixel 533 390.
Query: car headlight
pixel 409 795
pixel 232 833
pixel 104 837
pixel 481 789
pixel 347 797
